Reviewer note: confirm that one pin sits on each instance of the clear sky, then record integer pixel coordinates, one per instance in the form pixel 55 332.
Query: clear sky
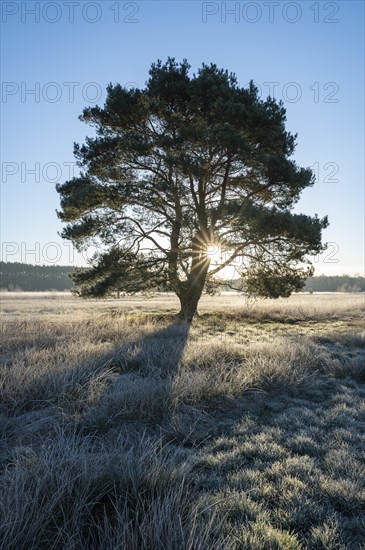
pixel 58 57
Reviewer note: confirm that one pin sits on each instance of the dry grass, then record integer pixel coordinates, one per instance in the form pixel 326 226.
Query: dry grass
pixel 120 430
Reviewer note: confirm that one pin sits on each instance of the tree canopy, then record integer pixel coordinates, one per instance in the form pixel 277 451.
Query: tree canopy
pixel 187 164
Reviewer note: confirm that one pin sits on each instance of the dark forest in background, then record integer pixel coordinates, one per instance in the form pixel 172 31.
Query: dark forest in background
pixel 27 277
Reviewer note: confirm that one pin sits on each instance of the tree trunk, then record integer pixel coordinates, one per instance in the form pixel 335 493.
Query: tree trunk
pixel 192 289
pixel 190 297
pixel 189 306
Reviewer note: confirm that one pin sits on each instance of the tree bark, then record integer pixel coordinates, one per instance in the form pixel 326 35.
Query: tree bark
pixel 189 305
pixel 192 289
pixel 191 295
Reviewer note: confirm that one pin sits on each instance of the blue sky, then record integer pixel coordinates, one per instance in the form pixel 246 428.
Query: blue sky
pixel 311 54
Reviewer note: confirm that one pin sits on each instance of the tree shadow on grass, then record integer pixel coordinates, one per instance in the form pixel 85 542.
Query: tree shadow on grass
pixel 127 475
pixel 132 383
pixel 139 380
pixel 158 353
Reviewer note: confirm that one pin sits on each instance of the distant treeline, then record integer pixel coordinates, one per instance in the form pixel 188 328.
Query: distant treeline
pixel 335 283
pixel 19 276
pixel 326 283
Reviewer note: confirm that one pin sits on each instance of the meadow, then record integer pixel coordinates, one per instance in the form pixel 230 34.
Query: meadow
pixel 122 430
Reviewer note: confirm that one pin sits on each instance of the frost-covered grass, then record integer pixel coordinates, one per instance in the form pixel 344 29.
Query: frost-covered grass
pixel 119 429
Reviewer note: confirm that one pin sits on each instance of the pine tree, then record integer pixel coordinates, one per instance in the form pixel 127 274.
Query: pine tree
pixel 184 166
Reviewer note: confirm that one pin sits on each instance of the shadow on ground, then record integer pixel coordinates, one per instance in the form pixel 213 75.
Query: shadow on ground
pixel 158 353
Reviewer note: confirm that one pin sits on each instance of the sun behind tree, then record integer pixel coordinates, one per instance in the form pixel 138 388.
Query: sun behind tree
pixel 179 172
pixel 214 253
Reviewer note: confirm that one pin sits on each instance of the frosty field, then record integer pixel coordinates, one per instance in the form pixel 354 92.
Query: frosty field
pixel 119 429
